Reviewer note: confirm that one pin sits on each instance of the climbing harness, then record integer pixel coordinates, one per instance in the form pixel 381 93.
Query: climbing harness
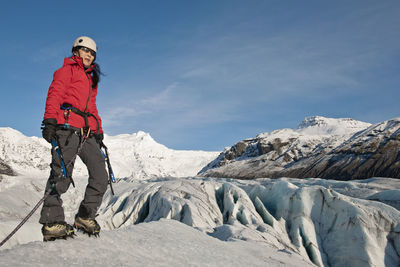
pixel 85 115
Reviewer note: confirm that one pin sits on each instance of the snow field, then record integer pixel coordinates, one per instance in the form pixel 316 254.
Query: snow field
pixel 160 243
pixel 305 219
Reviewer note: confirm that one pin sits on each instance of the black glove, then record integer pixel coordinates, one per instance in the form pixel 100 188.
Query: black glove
pixel 99 137
pixel 49 129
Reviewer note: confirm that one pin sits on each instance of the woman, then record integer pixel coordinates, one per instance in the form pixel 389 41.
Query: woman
pixel 71 119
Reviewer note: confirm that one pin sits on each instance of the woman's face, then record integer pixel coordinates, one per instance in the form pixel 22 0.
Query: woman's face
pixel 87 55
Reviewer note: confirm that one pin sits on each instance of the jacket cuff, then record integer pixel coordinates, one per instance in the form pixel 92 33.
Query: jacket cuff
pixel 50 121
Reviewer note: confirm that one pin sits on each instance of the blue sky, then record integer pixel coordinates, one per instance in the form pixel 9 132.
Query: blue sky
pixel 207 74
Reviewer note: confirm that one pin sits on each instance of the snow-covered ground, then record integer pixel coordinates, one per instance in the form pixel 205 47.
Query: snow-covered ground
pixel 170 217
pixel 161 243
pixel 274 222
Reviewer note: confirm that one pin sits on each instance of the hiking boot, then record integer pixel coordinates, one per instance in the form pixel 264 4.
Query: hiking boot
pixel 53 231
pixel 87 225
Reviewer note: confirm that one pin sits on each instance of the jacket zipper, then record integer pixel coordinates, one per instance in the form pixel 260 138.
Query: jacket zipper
pixel 90 87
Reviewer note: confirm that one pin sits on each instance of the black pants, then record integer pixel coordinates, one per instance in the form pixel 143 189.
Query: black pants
pixel 91 156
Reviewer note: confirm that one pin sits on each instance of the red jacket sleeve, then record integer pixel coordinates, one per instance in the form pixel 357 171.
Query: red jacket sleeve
pixel 56 92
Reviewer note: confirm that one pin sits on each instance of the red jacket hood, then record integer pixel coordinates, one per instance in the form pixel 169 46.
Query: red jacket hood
pixel 79 61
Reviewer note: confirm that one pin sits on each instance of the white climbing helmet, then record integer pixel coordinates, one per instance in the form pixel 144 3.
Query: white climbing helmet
pixel 86 42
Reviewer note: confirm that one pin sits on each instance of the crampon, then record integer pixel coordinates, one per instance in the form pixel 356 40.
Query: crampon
pixel 87 226
pixel 55 231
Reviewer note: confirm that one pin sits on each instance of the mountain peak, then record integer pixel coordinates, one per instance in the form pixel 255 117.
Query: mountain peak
pixel 330 126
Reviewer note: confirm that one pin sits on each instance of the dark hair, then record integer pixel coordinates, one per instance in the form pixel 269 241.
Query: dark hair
pixel 96 75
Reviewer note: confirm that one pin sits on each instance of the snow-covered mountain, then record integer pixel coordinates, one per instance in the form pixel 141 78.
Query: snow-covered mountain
pixel 133 156
pixel 319 147
pixel 138 156
pixel 374 151
pixel 21 154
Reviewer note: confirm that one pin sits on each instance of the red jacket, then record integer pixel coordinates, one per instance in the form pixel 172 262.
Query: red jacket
pixel 72 84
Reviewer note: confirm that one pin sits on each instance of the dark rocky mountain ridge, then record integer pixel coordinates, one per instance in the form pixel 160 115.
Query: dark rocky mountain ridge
pixel 342 149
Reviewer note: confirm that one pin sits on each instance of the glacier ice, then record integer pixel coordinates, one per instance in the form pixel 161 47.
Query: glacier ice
pixel 328 228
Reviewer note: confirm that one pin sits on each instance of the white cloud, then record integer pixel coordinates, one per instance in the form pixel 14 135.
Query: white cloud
pixel 118 115
pixel 174 107
pixel 159 100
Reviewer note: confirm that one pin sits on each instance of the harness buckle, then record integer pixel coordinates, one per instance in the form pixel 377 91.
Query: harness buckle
pixel 85 132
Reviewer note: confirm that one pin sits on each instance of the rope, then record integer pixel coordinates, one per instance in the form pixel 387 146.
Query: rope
pixel 29 215
pixel 45 195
